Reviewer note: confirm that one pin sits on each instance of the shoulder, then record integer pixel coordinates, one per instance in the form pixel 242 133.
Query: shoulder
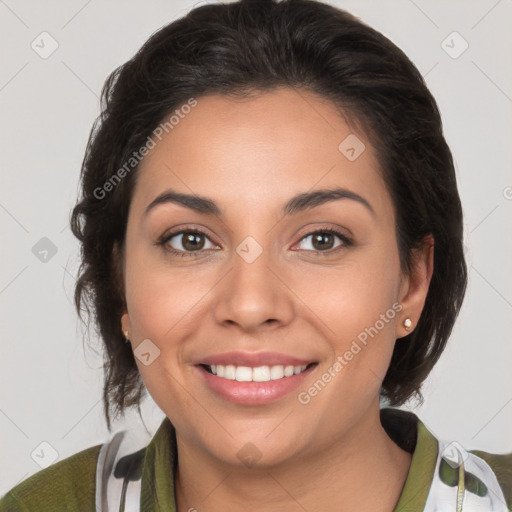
pixel 501 464
pixel 66 485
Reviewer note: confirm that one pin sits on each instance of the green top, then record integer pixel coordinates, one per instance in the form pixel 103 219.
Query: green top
pixel 69 485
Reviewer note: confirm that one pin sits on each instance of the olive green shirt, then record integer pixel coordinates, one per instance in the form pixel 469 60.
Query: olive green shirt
pixel 69 485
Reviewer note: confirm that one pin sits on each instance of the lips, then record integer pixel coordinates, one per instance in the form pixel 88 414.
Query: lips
pixel 255 378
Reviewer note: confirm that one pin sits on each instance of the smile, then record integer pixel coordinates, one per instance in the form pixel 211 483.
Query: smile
pixel 253 385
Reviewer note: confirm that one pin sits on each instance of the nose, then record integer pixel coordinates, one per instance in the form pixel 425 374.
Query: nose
pixel 254 292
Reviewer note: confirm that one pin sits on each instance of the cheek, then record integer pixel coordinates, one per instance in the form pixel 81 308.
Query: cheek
pixel 164 306
pixel 162 309
pixel 356 307
pixel 160 298
pixel 351 296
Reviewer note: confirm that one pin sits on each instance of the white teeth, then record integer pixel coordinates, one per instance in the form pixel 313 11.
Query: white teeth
pixel 277 372
pixel 257 374
pixel 261 374
pixel 288 371
pixel 298 369
pixel 243 374
pixel 230 372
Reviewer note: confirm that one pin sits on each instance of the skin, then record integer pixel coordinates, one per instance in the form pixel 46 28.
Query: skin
pixel 251 157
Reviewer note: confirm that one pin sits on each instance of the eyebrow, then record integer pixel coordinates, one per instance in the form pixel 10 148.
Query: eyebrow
pixel 296 204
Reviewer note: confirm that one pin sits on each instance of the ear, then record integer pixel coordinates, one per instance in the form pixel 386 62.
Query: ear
pixel 117 264
pixel 414 288
pixel 125 325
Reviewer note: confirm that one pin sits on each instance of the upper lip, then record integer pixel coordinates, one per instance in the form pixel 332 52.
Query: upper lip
pixel 254 359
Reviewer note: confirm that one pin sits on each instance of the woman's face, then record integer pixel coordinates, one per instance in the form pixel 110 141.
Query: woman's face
pixel 265 286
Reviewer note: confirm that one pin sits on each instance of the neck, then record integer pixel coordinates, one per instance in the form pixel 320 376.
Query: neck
pixel 364 470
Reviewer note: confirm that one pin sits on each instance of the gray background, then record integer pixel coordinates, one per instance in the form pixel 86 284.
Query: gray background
pixel 51 388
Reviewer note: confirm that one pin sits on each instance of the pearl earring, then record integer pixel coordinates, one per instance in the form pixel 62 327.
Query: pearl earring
pixel 126 339
pixel 407 323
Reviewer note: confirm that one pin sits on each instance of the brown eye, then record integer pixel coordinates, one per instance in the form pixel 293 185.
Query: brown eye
pixel 186 242
pixel 324 240
pixel 192 241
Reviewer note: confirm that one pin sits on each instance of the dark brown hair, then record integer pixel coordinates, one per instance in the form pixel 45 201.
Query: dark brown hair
pixel 254 46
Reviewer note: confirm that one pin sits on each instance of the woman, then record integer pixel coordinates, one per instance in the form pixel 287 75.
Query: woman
pixel 272 243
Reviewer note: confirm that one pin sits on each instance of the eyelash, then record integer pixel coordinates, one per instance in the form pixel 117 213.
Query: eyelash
pixel 165 238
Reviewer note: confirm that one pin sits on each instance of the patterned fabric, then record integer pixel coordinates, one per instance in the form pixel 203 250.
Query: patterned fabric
pixel 463 482
pixel 119 473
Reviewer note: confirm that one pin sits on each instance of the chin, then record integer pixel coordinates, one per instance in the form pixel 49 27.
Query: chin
pixel 255 452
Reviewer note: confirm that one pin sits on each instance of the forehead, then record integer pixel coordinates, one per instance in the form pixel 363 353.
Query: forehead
pixel 260 150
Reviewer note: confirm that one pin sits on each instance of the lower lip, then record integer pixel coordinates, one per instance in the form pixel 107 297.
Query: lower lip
pixel 254 393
